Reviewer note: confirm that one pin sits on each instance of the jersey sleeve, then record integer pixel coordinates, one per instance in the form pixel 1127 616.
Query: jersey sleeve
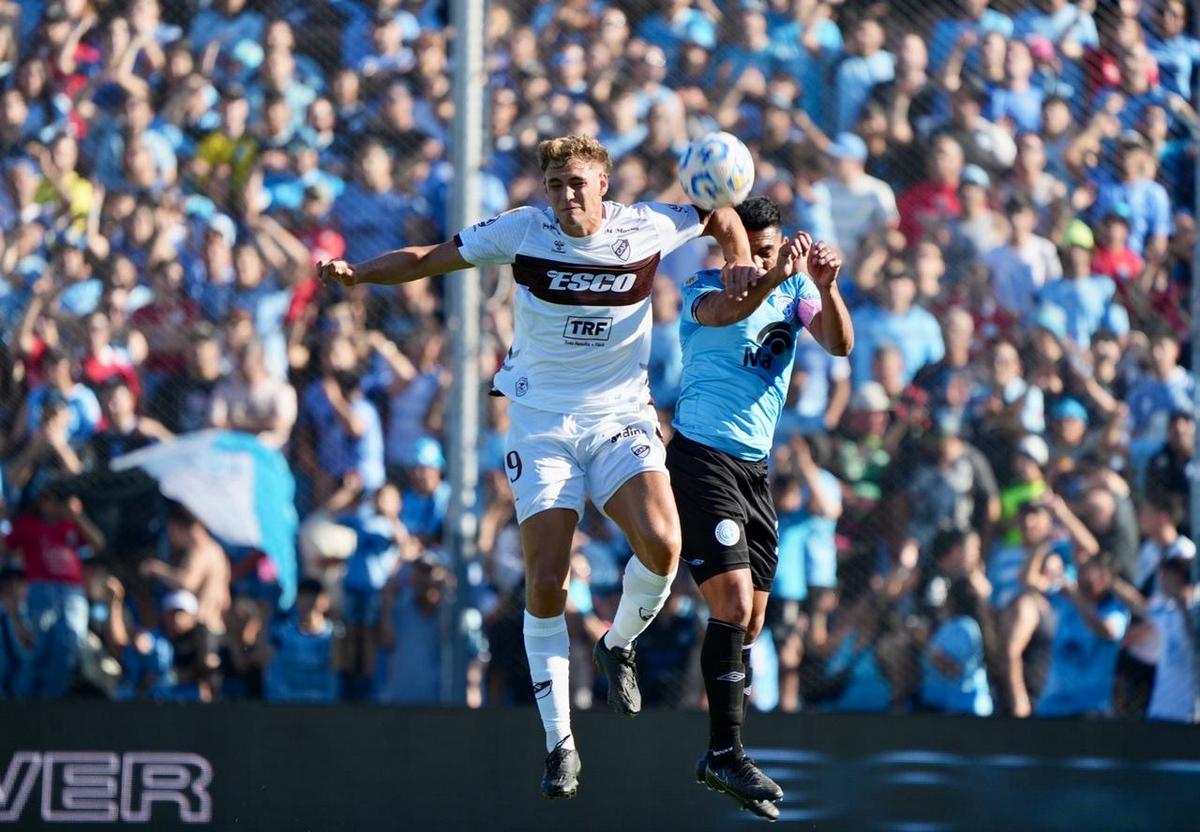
pixel 676 224
pixel 695 288
pixel 495 241
pixel 808 300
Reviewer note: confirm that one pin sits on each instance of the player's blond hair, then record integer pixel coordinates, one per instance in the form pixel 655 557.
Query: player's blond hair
pixel 564 149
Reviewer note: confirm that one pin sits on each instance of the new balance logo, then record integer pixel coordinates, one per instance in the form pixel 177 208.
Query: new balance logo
pixel 645 614
pixel 732 676
pixel 542 689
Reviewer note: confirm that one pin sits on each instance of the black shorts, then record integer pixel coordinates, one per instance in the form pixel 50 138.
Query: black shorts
pixel 725 512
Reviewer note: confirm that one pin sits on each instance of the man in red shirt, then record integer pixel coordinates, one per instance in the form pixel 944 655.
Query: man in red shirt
pixel 48 539
pixel 936 199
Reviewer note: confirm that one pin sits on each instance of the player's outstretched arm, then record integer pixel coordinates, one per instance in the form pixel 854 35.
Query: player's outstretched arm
pixel 399 266
pixel 831 327
pixel 722 309
pixel 739 273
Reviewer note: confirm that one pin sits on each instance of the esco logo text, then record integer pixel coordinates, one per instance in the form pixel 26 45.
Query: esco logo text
pixel 588 282
pixel 104 786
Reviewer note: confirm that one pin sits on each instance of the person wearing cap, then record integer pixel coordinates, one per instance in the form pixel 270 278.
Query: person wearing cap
pixel 1134 186
pixel 389 55
pixel 1027 262
pixel 860 203
pixel 1069 431
pixel 1088 300
pixel 427 495
pixel 192 659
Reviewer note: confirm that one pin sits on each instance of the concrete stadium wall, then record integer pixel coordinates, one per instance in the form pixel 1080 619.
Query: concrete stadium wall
pixel 316 769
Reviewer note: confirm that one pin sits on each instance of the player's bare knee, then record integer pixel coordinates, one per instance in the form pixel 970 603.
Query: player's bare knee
pixel 659 549
pixel 732 606
pixel 754 628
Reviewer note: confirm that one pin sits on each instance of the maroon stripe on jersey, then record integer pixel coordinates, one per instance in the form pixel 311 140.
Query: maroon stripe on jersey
pixel 586 285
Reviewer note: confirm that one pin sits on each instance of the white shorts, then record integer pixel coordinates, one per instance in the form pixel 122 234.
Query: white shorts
pixel 556 460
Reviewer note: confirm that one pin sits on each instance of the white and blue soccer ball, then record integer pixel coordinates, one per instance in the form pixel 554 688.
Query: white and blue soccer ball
pixel 716 170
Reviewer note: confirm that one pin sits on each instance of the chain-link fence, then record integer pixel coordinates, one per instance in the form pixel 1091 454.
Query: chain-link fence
pixel 981 510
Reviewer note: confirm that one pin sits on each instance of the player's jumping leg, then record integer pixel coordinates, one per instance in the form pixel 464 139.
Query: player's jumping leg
pixel 546 541
pixel 644 508
pixel 724 663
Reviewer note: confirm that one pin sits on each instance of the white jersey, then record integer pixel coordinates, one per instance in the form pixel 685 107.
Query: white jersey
pixel 582 314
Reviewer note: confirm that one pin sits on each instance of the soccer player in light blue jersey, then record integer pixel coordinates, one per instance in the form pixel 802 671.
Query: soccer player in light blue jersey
pixel 737 363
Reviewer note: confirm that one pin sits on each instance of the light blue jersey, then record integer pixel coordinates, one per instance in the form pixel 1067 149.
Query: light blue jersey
pixel 735 377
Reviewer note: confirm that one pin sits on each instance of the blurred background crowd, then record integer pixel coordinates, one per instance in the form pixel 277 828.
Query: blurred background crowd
pixel 983 510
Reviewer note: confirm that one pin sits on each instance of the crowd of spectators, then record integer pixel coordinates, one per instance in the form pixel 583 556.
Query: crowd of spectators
pixel 981 511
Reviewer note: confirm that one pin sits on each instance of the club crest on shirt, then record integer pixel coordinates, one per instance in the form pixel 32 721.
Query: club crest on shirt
pixel 691 280
pixel 640 451
pixel 522 386
pixel 621 249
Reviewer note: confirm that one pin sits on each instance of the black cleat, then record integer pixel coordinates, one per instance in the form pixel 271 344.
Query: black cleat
pixel 561 779
pixel 741 779
pixel 701 768
pixel 618 667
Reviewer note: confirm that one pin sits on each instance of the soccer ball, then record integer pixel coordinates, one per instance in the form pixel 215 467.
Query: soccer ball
pixel 716 170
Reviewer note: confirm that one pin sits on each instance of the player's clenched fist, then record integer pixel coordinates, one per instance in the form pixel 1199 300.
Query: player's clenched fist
pixel 824 263
pixel 338 270
pixel 739 278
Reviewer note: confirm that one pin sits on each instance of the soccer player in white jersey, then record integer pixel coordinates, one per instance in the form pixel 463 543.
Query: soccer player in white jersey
pixel 583 425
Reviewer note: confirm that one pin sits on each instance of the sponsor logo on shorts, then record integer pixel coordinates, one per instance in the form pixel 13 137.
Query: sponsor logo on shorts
pixel 728 532
pixel 522 386
pixel 542 689
pixel 630 430
pixel 587 332
pixel 732 676
pixel 641 451
pixel 621 249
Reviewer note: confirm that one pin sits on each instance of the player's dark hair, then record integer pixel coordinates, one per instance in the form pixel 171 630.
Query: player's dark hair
pixel 310 586
pixel 759 214
pixel 1180 567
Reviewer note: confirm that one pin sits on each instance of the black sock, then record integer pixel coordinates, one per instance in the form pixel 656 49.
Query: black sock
pixel 749 679
pixel 724 681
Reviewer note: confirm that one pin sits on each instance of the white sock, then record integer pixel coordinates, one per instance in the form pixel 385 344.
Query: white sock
pixel 548 648
pixel 643 594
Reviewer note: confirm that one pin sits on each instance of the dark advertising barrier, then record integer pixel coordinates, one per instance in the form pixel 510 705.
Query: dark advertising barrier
pixel 288 769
